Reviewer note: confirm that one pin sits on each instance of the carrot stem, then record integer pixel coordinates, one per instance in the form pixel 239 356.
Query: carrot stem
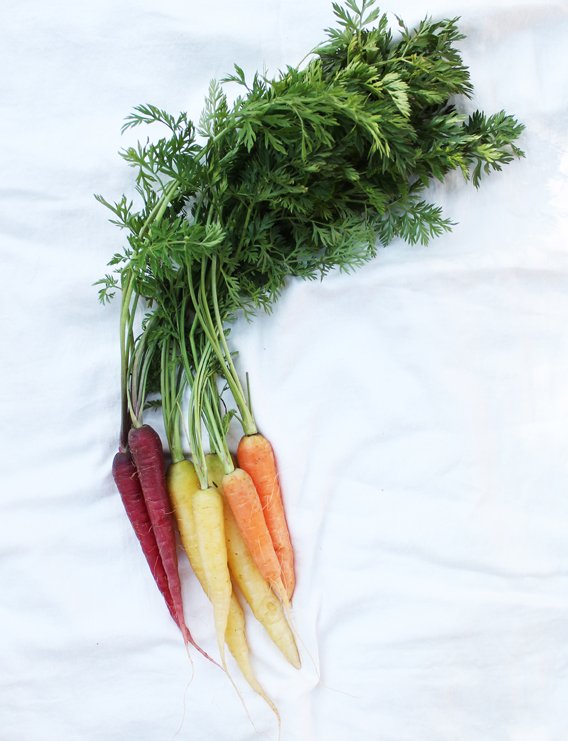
pixel 172 385
pixel 214 424
pixel 249 425
pixel 220 348
pixel 124 361
pixel 159 209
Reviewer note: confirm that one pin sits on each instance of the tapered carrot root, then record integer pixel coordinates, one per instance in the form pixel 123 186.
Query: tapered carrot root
pixel 210 535
pixel 242 497
pixel 256 457
pixel 265 606
pixel 128 484
pixel 238 646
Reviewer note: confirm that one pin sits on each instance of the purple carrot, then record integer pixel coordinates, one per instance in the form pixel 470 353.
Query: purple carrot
pixel 146 448
pixel 126 479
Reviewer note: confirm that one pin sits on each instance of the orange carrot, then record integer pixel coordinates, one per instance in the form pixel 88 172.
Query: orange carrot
pixel 256 457
pixel 245 504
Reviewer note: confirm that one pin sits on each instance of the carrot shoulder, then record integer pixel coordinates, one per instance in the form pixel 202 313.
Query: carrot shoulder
pixel 256 457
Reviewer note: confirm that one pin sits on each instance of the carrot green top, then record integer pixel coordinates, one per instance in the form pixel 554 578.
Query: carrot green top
pixel 303 173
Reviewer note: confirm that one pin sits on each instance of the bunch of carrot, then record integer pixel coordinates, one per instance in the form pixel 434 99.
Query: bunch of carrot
pixel 219 514
pixel 304 173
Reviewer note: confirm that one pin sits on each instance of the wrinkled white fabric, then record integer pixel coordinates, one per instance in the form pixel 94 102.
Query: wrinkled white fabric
pixel 418 409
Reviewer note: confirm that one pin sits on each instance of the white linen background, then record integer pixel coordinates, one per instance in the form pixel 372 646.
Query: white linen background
pixel 418 408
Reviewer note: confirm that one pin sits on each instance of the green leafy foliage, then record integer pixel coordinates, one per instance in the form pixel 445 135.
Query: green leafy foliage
pixel 304 173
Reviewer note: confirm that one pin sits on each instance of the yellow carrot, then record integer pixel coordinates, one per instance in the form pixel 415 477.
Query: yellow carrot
pixel 182 483
pixel 210 535
pixel 199 514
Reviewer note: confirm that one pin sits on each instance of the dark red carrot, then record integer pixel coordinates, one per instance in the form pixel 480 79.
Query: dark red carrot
pixel 146 448
pixel 128 484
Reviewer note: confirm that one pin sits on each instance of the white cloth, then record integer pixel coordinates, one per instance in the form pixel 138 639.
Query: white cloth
pixel 418 409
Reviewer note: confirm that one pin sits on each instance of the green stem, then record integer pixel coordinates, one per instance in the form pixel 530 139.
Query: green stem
pixel 159 209
pixel 124 362
pixel 175 446
pixel 133 400
pixel 172 385
pixel 214 423
pixel 249 425
pixel 178 386
pixel 138 373
pixel 164 389
pixel 243 234
pixel 195 417
pixel 220 349
pixel 204 316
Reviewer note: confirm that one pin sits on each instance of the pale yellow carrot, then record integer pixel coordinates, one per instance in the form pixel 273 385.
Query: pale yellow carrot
pixel 182 482
pixel 210 535
pixel 235 636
